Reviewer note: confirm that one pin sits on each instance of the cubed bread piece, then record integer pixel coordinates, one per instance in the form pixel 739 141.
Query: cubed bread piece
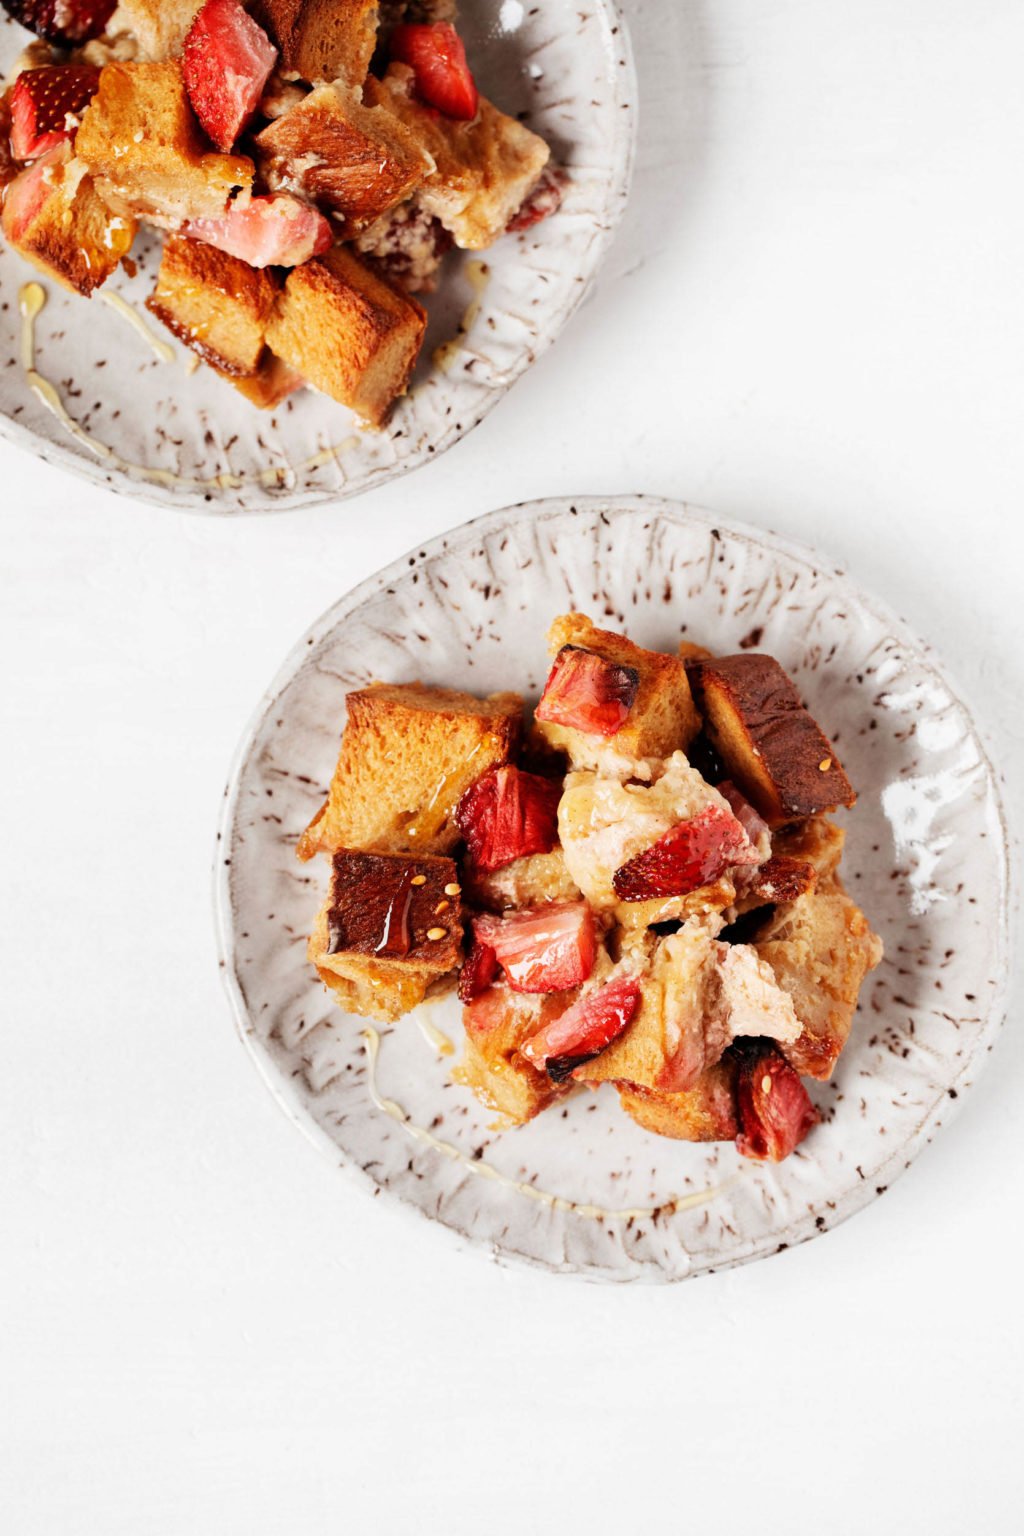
pixel 389 931
pixel 141 141
pixel 358 161
pixel 770 745
pixel 706 1112
pixel 660 717
pixel 497 1024
pixel 526 882
pixel 53 216
pixel 484 169
pixel 214 303
pixel 820 948
pixel 348 332
pixel 408 755
pixel 322 39
pixel 160 27
pixel 272 382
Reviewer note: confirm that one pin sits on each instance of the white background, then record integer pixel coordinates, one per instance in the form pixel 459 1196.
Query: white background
pixel 812 321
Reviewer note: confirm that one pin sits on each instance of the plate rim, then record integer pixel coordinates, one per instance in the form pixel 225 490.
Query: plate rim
pixel 141 489
pixel 803 1228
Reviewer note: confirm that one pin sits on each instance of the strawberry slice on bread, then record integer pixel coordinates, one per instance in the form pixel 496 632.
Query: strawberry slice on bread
pixel 542 949
pixel 437 56
pixel 44 105
pixel 689 855
pixel 585 1029
pixel 226 63
pixel 274 231
pixel 775 1109
pixel 588 693
pixel 62 21
pixel 507 815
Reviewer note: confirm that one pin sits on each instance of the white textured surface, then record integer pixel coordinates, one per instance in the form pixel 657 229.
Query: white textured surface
pixel 205 1330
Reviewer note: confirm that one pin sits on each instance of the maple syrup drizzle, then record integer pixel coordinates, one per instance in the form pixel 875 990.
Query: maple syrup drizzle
pixel 480 1168
pixel 396 938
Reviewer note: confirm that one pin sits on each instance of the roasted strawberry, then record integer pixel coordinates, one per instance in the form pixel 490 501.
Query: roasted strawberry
pixel 541 203
pixel 775 1111
pixel 585 1029
pixel 275 231
pixel 43 101
pixel 62 21
pixel 436 54
pixel 542 949
pixel 226 63
pixel 478 971
pixel 508 814
pixel 25 196
pixel 689 855
pixel 588 693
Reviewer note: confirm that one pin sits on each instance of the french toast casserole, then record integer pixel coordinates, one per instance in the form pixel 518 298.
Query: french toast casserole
pixel 309 164
pixel 636 885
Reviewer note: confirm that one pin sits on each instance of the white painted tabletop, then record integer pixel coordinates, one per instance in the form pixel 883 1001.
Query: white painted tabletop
pixel 813 321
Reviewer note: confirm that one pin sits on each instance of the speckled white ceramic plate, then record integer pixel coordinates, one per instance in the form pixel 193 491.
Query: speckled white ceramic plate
pixel 584 1189
pixel 192 442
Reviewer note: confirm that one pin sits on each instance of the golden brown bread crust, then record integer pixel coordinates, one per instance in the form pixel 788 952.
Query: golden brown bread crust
pixel 484 169
pixel 272 382
pixel 322 39
pixel 408 755
pixel 706 1112
pixel 360 162
pixel 770 745
pixel 348 332
pixel 820 947
pixel 73 237
pixel 663 717
pixel 218 306
pixel 141 141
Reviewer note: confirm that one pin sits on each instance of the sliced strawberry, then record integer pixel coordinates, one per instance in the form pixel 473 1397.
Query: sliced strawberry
pixel 508 814
pixel 585 1029
pixel 748 818
pixel 689 855
pixel 42 101
pixel 588 693
pixel 226 63
pixel 541 203
pixel 437 55
pixel 25 196
pixel 542 949
pixel 62 21
pixel 775 1111
pixel 275 231
pixel 478 971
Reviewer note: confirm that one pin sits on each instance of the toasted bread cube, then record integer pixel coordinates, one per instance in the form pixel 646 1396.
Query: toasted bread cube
pixel 53 216
pixel 272 382
pixel 484 169
pixel 388 933
pixel 322 39
pixel 497 1024
pixel 706 1112
pixel 214 303
pixel 408 755
pixel 769 744
pixel 160 27
pixel 662 718
pixel 526 882
pixel 348 332
pixel 141 141
pixel 359 161
pixel 820 947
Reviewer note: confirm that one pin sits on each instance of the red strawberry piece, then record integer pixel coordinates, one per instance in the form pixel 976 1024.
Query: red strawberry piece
pixel 542 949
pixel 437 55
pixel 226 63
pixel 42 100
pixel 25 196
pixel 62 21
pixel 275 231
pixel 689 855
pixel 588 693
pixel 508 814
pixel 585 1029
pixel 541 203
pixel 478 971
pixel 775 1111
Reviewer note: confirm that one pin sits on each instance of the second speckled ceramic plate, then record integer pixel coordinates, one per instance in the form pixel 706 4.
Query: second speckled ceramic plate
pixel 149 429
pixel 583 1189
